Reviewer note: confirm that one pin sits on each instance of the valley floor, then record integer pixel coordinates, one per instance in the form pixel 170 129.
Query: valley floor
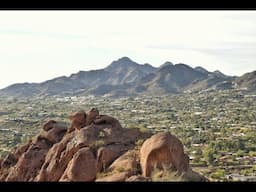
pixel 216 128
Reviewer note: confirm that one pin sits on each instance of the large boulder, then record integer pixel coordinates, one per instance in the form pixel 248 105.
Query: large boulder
pixel 125 163
pixel 106 119
pixel 92 114
pixel 123 167
pixel 57 159
pixel 26 161
pixel 11 159
pixel 163 150
pixel 107 154
pixel 49 125
pixel 78 120
pixel 30 162
pixel 98 149
pixel 82 167
pixel 54 132
pixel 105 138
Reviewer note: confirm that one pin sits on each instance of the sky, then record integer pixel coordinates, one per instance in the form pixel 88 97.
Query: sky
pixel 40 45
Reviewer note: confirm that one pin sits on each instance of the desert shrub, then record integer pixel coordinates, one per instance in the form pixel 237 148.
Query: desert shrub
pixel 165 175
pixel 218 174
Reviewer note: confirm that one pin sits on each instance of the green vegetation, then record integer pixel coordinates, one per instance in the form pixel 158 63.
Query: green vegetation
pixel 216 128
pixel 165 175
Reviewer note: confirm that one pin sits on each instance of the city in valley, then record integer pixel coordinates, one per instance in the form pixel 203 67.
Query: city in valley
pixel 217 128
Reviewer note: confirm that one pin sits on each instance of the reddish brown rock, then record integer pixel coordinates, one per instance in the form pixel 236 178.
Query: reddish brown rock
pixel 92 114
pixel 12 158
pixel 62 153
pixel 9 161
pixel 57 160
pixel 108 120
pixel 78 121
pixel 82 167
pixel 49 125
pixel 125 163
pixel 163 149
pixel 54 134
pixel 30 162
pixel 127 136
pixel 106 155
pixel 22 149
pixel 99 144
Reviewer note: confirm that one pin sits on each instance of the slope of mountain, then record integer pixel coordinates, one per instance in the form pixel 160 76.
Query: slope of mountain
pixel 201 69
pixel 171 78
pixel 212 81
pixel 125 77
pixel 125 70
pixel 166 64
pixel 219 74
pixel 247 80
pixel 21 90
pixel 118 72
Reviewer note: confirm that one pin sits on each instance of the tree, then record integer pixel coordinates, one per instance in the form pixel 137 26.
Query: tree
pixel 209 155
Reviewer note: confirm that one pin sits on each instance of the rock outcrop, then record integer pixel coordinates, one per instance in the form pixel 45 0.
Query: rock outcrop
pixel 82 167
pixel 94 148
pixel 26 161
pixel 163 150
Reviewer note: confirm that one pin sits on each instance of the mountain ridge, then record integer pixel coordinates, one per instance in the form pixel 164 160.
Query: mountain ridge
pixel 125 77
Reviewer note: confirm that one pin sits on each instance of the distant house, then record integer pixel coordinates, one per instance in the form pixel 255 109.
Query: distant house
pixel 198 113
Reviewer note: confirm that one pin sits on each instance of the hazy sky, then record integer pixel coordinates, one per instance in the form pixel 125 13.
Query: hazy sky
pixel 39 45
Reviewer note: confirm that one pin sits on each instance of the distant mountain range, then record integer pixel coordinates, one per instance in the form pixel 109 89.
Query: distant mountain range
pixel 125 77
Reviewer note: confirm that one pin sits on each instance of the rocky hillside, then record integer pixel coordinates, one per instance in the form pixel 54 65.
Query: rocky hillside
pixel 125 77
pixel 97 148
pixel 247 81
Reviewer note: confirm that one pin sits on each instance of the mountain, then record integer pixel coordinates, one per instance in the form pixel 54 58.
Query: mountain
pixel 124 77
pixel 125 70
pixel 166 64
pixel 122 71
pixel 219 74
pixel 211 82
pixel 248 81
pixel 171 78
pixel 201 69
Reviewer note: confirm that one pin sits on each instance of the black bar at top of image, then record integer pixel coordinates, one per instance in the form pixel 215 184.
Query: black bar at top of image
pixel 127 5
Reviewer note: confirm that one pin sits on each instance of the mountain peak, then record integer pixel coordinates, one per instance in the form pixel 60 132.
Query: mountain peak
pixel 219 74
pixel 124 77
pixel 167 63
pixel 183 66
pixel 201 69
pixel 125 59
pixel 123 62
pixel 217 71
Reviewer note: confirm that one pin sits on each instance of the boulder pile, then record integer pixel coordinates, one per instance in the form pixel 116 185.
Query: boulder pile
pixel 94 148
